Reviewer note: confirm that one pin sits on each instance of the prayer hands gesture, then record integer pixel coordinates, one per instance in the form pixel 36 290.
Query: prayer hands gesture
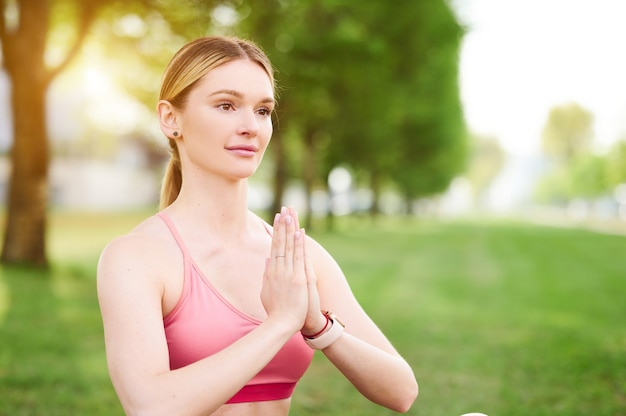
pixel 289 282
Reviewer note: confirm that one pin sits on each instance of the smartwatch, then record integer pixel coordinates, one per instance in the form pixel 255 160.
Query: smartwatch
pixel 328 337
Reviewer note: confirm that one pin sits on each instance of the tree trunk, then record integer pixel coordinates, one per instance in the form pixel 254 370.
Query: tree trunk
pixel 24 238
pixel 375 187
pixel 280 174
pixel 309 174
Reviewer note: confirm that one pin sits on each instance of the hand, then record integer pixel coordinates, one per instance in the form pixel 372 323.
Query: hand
pixel 315 320
pixel 284 293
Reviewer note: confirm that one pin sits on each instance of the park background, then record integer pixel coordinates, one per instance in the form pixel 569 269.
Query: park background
pixel 464 161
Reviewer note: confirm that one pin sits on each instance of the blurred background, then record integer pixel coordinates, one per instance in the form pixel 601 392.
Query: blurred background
pixel 444 108
pixel 464 161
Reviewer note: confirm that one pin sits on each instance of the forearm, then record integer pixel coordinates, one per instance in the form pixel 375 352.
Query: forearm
pixel 384 378
pixel 202 387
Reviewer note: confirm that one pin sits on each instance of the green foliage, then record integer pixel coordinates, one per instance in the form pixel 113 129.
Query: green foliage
pixel 432 134
pixel 501 318
pixel 554 187
pixel 588 176
pixel 585 176
pixel 616 164
pixel 576 171
pixel 568 132
pixel 370 85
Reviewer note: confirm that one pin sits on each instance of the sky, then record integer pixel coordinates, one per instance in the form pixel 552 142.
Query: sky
pixel 520 58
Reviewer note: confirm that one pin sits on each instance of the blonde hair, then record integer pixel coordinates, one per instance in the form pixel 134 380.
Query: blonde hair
pixel 192 62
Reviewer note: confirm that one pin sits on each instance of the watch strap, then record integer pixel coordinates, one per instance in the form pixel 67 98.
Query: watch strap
pixel 329 337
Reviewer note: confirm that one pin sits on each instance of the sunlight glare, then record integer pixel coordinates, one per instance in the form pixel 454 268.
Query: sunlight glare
pixel 130 25
pixel 96 83
pixel 108 108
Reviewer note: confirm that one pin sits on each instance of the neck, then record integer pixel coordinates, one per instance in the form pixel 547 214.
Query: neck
pixel 218 206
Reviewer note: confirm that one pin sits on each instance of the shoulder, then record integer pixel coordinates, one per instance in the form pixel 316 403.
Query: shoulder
pixel 146 240
pixel 327 269
pixel 318 253
pixel 145 251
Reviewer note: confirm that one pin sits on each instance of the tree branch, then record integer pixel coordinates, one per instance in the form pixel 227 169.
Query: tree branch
pixel 87 15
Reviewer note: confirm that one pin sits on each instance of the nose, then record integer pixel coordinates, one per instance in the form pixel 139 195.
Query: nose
pixel 249 125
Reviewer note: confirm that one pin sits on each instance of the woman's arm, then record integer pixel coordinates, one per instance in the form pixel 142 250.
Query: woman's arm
pixel 363 354
pixel 130 292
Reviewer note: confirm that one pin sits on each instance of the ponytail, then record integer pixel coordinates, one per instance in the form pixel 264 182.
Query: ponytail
pixel 173 178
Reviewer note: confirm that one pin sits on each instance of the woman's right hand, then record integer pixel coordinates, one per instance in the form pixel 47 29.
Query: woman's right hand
pixel 284 293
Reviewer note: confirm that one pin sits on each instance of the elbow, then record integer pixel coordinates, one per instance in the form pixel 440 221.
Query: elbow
pixel 144 406
pixel 409 398
pixel 404 393
pixel 399 398
pixel 406 398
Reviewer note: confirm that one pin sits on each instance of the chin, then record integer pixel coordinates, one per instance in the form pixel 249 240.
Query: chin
pixel 243 174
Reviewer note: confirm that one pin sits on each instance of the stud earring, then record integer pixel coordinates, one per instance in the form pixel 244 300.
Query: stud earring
pixel 175 134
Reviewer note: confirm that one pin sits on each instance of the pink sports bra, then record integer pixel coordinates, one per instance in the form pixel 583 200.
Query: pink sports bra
pixel 203 323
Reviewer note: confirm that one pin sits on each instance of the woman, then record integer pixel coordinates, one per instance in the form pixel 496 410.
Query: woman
pixel 206 308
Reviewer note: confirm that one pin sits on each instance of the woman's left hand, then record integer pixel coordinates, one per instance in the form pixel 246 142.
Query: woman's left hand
pixel 315 320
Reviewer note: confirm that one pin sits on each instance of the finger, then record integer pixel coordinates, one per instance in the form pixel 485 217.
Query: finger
pixel 298 256
pixel 290 231
pixel 277 250
pixel 308 263
pixel 297 230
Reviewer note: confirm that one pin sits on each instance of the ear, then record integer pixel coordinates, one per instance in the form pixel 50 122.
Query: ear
pixel 168 119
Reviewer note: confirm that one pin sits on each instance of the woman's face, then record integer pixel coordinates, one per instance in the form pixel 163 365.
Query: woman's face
pixel 226 124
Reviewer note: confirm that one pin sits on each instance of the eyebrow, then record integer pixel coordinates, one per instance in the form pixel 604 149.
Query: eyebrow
pixel 237 94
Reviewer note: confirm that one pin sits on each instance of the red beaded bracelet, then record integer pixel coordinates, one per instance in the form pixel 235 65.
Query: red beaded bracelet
pixel 322 331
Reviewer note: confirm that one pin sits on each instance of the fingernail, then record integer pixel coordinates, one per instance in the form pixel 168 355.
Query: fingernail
pixel 283 210
pixel 288 219
pixel 298 234
pixel 276 218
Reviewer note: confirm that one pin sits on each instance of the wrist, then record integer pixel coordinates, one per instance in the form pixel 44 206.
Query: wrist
pixel 328 336
pixel 322 327
pixel 281 326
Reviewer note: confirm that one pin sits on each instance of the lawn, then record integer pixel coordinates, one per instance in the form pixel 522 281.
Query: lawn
pixel 504 318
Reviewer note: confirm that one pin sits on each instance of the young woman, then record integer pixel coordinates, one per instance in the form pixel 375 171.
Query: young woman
pixel 207 309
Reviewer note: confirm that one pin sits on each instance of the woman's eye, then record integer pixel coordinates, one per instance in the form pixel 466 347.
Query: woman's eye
pixel 225 106
pixel 265 111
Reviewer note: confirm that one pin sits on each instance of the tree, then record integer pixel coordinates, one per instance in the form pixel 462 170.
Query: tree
pixel 588 176
pixel 25 30
pixel 364 86
pixel 431 133
pixel 24 27
pixel 566 138
pixel 369 85
pixel 568 132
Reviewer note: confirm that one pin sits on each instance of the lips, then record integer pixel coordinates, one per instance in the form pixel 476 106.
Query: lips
pixel 243 150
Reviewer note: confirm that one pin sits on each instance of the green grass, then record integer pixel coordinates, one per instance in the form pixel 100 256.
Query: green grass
pixel 507 319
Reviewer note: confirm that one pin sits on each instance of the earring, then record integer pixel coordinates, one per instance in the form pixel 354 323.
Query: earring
pixel 175 134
